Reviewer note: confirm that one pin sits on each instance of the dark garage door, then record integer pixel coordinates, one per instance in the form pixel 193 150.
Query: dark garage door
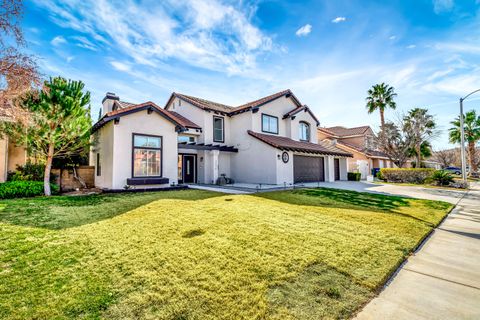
pixel 308 169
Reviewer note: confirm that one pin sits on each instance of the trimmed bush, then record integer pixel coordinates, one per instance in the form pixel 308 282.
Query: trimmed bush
pixel 407 175
pixel 354 176
pixel 23 189
pixel 442 178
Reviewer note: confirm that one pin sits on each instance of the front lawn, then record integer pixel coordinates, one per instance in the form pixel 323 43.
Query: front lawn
pixel 304 254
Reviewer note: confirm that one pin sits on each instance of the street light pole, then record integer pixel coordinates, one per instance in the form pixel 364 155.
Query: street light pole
pixel 462 137
pixel 462 143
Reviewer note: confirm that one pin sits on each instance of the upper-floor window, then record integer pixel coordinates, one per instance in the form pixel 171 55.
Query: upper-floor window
pixel 147 156
pixel 304 131
pixel 218 129
pixel 269 124
pixel 187 139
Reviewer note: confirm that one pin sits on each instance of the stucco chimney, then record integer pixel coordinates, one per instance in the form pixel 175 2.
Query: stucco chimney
pixel 107 102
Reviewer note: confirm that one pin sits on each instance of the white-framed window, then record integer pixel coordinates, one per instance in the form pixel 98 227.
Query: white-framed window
pixel 269 123
pixel 147 156
pixel 304 131
pixel 218 129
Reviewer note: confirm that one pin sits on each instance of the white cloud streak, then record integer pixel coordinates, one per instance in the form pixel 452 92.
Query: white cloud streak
pixel 339 19
pixel 441 6
pixel 207 34
pixel 58 40
pixel 304 31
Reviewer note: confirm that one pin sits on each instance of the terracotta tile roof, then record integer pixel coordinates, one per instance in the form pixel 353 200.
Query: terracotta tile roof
pixel 284 143
pixel 299 109
pixel 230 110
pixel 266 99
pixel 184 121
pixel 204 104
pixel 369 152
pixel 124 104
pixel 340 131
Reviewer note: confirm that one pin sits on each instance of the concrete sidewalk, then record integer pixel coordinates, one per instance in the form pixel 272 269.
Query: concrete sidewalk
pixel 442 279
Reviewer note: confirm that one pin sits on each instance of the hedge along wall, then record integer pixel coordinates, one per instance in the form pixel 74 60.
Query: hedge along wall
pixel 408 175
pixel 65 178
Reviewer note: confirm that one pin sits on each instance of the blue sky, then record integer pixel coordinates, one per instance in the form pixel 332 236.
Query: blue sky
pixel 328 52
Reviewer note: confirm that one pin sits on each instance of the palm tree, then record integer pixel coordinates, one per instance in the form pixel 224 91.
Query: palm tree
pixel 419 126
pixel 380 96
pixel 425 151
pixel 472 134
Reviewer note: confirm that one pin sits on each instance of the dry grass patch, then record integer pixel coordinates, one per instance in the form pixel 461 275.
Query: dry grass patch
pixel 199 255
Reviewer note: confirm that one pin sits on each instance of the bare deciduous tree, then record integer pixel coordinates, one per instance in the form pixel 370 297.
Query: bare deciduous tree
pixel 18 71
pixel 393 141
pixel 445 157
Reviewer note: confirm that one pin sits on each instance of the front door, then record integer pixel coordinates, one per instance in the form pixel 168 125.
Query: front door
pixel 336 165
pixel 188 169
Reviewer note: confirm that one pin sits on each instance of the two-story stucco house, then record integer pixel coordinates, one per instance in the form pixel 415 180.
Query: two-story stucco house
pixel 360 142
pixel 272 140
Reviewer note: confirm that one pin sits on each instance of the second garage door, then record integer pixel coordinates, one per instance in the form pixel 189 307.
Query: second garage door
pixel 308 169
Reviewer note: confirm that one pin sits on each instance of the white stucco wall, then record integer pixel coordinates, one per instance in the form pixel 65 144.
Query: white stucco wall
pixel 255 162
pixel 104 146
pixel 295 126
pixel 142 123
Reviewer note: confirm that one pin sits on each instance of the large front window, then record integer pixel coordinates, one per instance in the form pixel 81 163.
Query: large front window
pixel 218 134
pixel 304 133
pixel 147 156
pixel 269 124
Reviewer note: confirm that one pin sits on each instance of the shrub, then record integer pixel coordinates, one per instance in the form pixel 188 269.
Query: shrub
pixel 379 176
pixel 354 176
pixel 22 189
pixel 408 175
pixel 29 172
pixel 442 178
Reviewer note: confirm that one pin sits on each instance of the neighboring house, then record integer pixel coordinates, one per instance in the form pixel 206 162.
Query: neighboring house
pixel 360 141
pixel 272 140
pixel 10 155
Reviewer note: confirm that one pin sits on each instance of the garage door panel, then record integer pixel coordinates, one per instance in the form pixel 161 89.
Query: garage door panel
pixel 308 169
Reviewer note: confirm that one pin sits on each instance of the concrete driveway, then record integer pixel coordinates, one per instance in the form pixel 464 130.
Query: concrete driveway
pixel 442 279
pixel 452 196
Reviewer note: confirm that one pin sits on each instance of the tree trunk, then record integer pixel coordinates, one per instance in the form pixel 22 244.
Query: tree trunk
pixel 48 169
pixel 382 118
pixel 471 154
pixel 419 155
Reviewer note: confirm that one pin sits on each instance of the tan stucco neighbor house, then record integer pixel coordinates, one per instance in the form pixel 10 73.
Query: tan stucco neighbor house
pixel 360 142
pixel 11 155
pixel 272 140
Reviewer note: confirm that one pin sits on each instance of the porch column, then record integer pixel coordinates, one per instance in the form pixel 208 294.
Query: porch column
pixel 330 169
pixel 343 169
pixel 214 163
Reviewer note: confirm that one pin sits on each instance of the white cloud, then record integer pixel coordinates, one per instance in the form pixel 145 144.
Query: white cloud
pixel 70 59
pixel 339 19
pixel 120 66
pixel 392 37
pixel 83 42
pixel 58 40
pixel 440 6
pixel 207 34
pixel 411 46
pixel 303 31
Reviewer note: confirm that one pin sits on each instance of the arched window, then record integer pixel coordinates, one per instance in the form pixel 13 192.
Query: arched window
pixel 304 133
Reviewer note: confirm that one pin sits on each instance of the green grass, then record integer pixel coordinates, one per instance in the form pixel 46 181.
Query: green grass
pixel 303 254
